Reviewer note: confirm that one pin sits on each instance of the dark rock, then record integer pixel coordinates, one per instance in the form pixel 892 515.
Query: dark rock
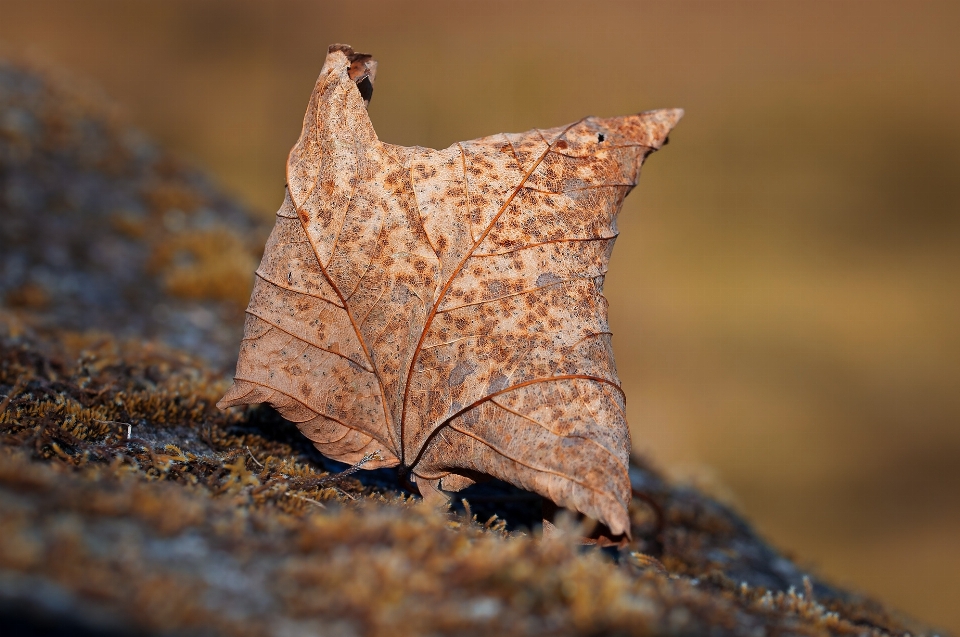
pixel 103 230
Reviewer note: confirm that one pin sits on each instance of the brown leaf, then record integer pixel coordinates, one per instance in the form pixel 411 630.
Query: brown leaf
pixel 445 307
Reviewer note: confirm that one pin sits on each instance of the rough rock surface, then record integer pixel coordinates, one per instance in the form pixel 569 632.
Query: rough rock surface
pixel 130 505
pixel 103 230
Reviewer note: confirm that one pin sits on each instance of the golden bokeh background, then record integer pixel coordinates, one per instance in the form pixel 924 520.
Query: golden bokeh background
pixel 785 293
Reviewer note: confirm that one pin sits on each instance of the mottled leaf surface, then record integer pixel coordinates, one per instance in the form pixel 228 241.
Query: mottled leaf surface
pixel 445 307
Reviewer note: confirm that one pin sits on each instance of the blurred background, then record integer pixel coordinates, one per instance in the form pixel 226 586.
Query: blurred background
pixel 785 292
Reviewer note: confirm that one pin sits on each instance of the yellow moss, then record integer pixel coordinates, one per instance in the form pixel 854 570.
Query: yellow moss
pixel 164 196
pixel 129 225
pixel 28 296
pixel 196 492
pixel 213 264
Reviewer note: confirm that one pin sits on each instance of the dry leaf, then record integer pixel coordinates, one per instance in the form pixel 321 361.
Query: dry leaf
pixel 445 307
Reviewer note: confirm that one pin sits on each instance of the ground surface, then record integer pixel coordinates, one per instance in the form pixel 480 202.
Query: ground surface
pixel 130 505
